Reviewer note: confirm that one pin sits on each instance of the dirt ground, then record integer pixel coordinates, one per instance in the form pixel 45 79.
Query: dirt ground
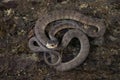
pixel 17 62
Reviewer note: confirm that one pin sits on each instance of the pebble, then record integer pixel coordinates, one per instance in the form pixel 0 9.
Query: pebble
pixel 65 2
pixel 9 11
pixel 83 6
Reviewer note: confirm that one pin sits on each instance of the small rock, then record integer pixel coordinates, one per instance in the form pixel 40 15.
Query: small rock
pixel 9 11
pixel 32 8
pixel 64 2
pixel 83 6
pixel 22 32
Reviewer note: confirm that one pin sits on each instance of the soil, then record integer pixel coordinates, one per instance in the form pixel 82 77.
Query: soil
pixel 18 62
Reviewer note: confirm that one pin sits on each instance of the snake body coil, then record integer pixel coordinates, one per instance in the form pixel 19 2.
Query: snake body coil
pixel 81 56
pixel 66 14
pixel 78 27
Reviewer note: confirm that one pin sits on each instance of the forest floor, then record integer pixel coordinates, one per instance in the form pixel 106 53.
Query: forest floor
pixel 17 62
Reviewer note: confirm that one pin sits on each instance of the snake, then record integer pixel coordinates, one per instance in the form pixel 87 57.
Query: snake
pixel 83 52
pixel 55 15
pixel 64 24
pixel 75 31
pixel 40 48
pixel 68 18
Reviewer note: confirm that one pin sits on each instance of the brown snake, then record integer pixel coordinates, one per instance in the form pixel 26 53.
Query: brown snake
pixel 83 52
pixel 67 14
pixel 64 24
pixel 79 25
pixel 72 33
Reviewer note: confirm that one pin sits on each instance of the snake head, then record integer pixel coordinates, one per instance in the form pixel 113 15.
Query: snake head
pixel 51 44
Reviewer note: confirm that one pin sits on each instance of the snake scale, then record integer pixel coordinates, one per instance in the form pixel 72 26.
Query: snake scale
pixel 78 27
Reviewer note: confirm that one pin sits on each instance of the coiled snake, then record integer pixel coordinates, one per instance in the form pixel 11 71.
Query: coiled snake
pixel 78 26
